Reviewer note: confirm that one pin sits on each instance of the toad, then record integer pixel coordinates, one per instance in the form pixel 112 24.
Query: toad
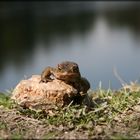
pixel 68 72
pixel 65 71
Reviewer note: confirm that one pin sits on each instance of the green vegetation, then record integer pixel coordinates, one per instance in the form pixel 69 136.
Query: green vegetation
pixel 114 115
pixel 5 100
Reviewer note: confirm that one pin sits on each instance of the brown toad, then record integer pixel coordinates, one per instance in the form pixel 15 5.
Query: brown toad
pixel 68 72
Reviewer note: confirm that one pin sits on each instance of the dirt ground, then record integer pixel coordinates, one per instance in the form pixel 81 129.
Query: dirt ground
pixel 15 125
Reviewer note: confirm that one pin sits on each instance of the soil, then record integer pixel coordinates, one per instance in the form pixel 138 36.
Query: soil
pixel 13 124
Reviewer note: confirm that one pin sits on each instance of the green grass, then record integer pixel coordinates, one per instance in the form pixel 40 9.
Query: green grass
pixel 6 101
pixel 107 105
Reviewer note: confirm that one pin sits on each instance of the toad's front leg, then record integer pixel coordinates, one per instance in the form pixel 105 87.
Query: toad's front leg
pixel 46 75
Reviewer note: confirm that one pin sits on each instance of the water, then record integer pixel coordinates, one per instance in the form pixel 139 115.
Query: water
pixel 99 36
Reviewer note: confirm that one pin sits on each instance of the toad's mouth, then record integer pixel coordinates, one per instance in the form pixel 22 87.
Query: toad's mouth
pixel 66 75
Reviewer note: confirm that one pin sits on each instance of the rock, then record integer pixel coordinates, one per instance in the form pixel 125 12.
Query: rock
pixel 31 92
pixel 98 129
pixel 137 108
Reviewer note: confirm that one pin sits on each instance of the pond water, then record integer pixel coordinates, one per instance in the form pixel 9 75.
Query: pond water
pixel 99 36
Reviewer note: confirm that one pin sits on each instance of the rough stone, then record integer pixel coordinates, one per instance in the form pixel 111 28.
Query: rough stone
pixel 31 92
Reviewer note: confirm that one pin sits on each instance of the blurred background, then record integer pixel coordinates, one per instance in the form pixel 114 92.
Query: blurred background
pixel 97 35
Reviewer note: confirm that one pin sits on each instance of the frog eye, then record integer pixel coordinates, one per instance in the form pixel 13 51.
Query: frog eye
pixel 75 69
